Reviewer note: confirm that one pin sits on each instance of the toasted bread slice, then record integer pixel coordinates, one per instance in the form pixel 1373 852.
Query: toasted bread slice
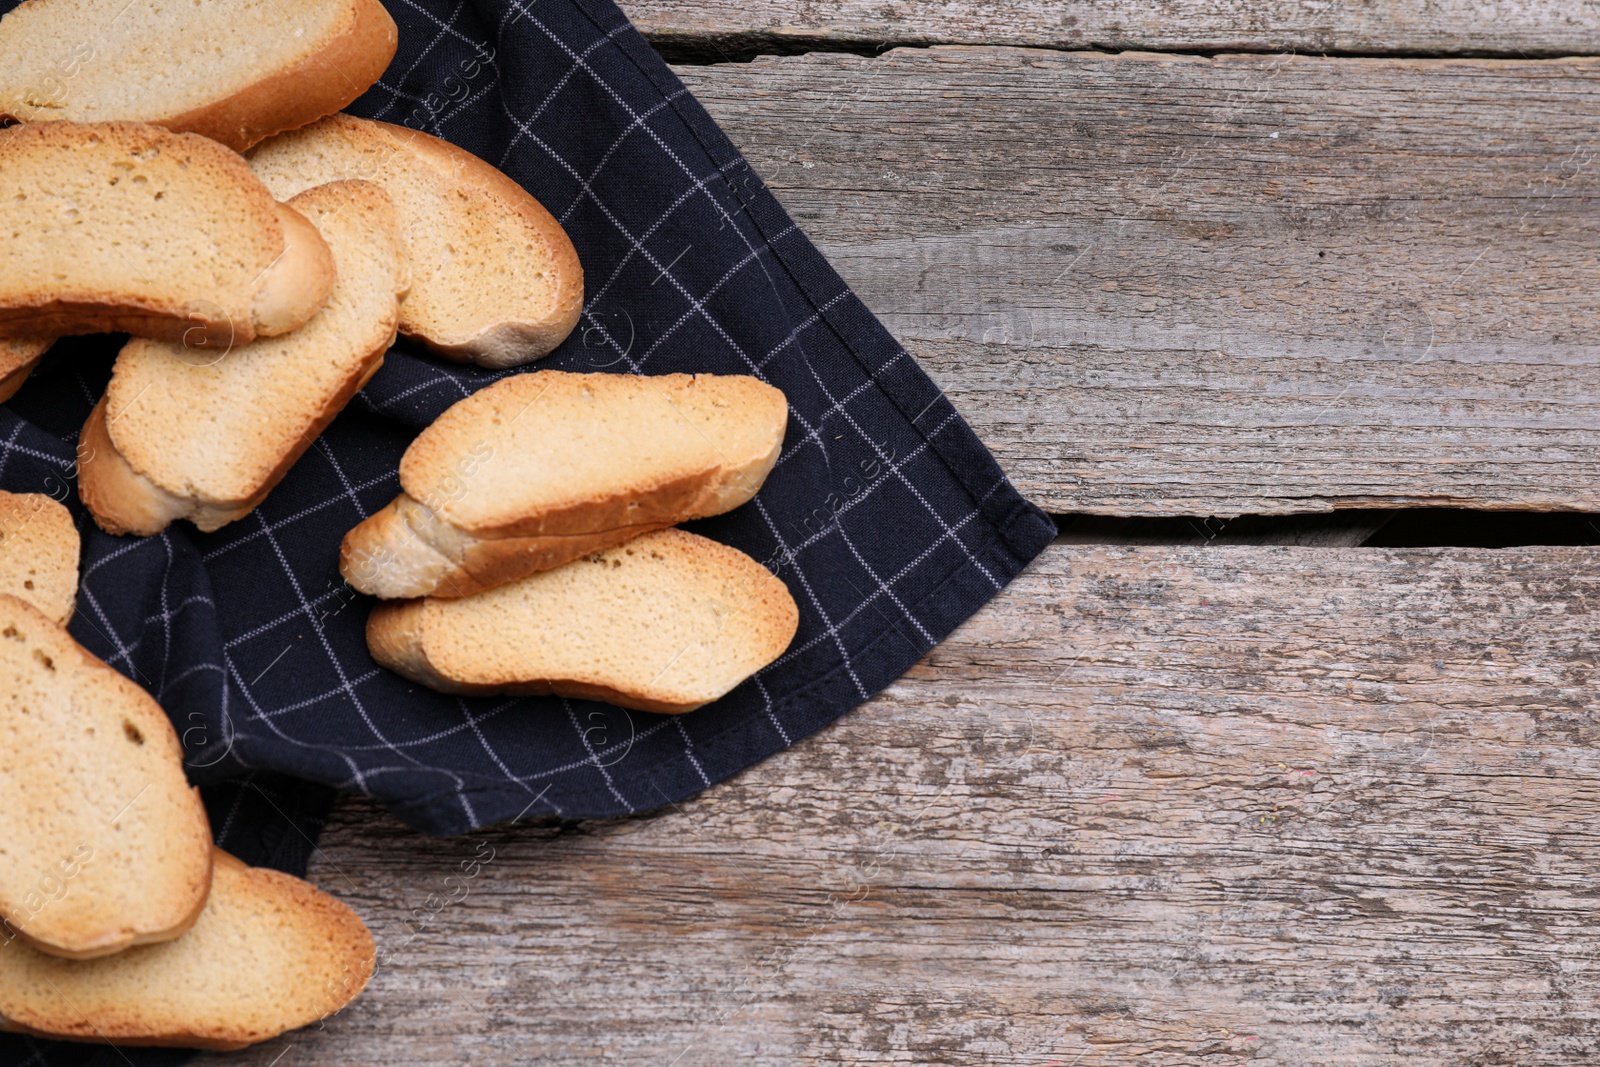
pixel 124 226
pixel 39 553
pixel 668 622
pixel 269 953
pixel 231 70
pixel 105 844
pixel 496 279
pixel 18 357
pixel 188 433
pixel 542 468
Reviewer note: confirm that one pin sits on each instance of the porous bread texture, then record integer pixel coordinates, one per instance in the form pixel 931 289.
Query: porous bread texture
pixel 39 553
pixel 122 226
pixel 496 280
pixel 668 622
pixel 544 467
pixel 269 953
pixel 242 69
pixel 194 434
pixel 105 844
pixel 18 357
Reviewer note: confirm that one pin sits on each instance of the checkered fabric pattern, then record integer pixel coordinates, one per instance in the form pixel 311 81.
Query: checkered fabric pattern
pixel 887 518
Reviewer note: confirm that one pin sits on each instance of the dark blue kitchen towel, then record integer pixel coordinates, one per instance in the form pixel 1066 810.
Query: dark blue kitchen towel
pixel 888 519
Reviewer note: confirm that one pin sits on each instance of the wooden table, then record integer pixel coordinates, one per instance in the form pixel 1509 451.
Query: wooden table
pixel 1265 796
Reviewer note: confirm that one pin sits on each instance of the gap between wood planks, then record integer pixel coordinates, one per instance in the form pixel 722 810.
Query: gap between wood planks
pixel 695 50
pixel 723 31
pixel 1355 528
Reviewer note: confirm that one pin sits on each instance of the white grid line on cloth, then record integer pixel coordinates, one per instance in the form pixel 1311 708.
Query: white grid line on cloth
pixel 357 778
pixel 583 737
pixel 287 520
pixel 731 273
pixel 899 473
pixel 436 380
pixel 688 750
pixel 162 617
pixel 585 184
pixel 918 561
pixel 10 445
pixel 472 721
pixel 184 675
pixel 439 735
pixel 837 406
pixel 766 706
pixel 448 27
pixel 123 653
pixel 854 501
pixel 349 689
pixel 441 118
pixel 273 624
pixel 329 694
pixel 166 620
pixel 349 490
pixel 791 653
pixel 698 186
pixel 465 104
pixel 88 394
pixel 121 550
pixel 233 809
pixel 578 60
pixel 805 324
pixel 832 630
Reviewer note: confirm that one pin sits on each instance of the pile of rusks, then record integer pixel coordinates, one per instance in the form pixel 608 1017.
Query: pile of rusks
pixel 177 171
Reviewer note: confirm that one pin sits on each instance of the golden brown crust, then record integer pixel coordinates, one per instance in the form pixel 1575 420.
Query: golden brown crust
pixel 121 500
pixel 339 940
pixel 39 549
pixel 438 643
pixel 294 281
pixel 119 468
pixel 515 341
pixel 164 320
pixel 318 85
pixel 394 555
pixel 187 850
pixel 515 338
pixel 713 483
pixel 330 411
pixel 450 534
pixel 18 358
pixel 293 288
pixel 395 638
pixel 152 937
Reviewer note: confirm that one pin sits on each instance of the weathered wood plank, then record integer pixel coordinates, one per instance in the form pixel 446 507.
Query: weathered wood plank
pixel 1177 285
pixel 1156 805
pixel 714 28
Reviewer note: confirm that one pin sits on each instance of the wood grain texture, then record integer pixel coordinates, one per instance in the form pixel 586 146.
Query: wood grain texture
pixel 1177 285
pixel 1155 805
pixel 713 28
